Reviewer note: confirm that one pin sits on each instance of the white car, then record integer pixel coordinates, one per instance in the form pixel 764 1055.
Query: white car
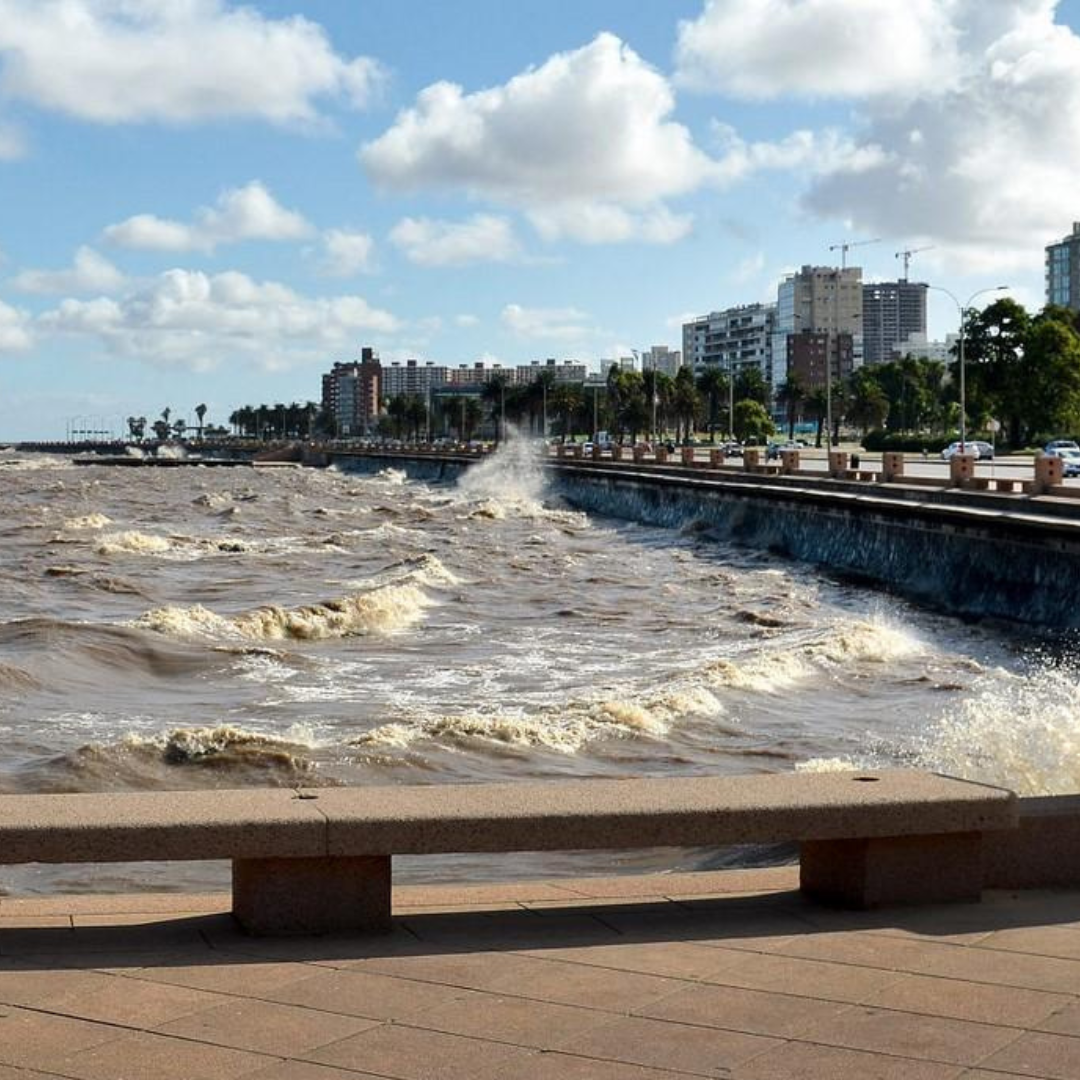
pixel 983 451
pixel 1070 459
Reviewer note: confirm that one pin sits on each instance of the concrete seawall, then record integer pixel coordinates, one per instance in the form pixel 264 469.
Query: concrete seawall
pixel 974 557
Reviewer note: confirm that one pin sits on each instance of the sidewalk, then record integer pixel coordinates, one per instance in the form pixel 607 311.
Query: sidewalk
pixel 634 978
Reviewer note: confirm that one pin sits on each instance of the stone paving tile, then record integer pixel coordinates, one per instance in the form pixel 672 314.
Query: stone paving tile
pixel 521 1021
pixel 1006 969
pixel 543 1066
pixel 579 984
pixel 266 1027
pixel 751 1011
pixel 881 951
pixel 982 1003
pixel 37 1040
pixel 805 1061
pixel 407 1053
pixel 930 1038
pixel 1056 1057
pixel 1062 942
pixel 505 895
pixel 116 903
pixel 31 987
pixel 301 1070
pixel 1063 1021
pixel 804 978
pixel 468 971
pixel 635 1040
pixel 33 922
pixel 112 999
pixel 672 958
pixel 745 928
pixel 147 1056
pixel 225 975
pixel 507 930
pixel 361 993
pixel 697 883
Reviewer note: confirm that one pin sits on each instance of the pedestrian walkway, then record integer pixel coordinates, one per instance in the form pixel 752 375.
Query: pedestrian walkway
pixel 727 974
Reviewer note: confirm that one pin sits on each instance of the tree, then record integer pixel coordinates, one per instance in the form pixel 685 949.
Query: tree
pixel 1049 375
pixel 493 394
pixel 867 405
pixel 564 400
pixel 750 385
pixel 993 363
pixel 180 427
pixel 161 429
pixel 686 402
pixel 200 412
pixel 791 395
pixel 817 406
pixel 137 427
pixel 752 422
pixel 712 383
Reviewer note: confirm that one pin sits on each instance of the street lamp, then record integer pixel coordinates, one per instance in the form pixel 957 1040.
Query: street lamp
pixel 961 308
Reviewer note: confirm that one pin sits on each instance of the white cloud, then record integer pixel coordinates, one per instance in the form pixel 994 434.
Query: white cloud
pixel 12 142
pixel 482 238
pixel 825 48
pixel 466 321
pixel 347 254
pixel 576 142
pixel 178 61
pixel 987 170
pixel 246 213
pixel 15 333
pixel 196 320
pixel 562 324
pixel 89 272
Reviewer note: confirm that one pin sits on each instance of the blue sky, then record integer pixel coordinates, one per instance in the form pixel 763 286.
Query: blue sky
pixel 211 202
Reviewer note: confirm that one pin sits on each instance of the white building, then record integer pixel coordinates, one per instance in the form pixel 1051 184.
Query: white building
pixel 411 378
pixel 733 339
pixel 661 358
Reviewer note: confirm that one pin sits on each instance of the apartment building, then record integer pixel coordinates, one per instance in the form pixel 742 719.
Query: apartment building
pixel 892 313
pixel 351 393
pixel 1063 271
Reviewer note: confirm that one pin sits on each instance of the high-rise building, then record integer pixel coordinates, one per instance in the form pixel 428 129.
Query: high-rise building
pixel 661 358
pixel 734 339
pixel 892 312
pixel 350 393
pixel 411 378
pixel 820 300
pixel 1063 271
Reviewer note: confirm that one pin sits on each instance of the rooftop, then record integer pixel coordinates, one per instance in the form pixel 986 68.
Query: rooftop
pixel 727 974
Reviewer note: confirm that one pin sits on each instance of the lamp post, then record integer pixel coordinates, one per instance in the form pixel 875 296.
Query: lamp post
pixel 961 308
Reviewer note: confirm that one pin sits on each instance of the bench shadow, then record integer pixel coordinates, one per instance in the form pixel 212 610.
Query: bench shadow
pixel 215 939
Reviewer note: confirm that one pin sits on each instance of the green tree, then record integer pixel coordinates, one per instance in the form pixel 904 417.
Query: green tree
pixel 752 422
pixel 791 395
pixel 1049 375
pixel 750 385
pixel 712 384
pixel 685 402
pixel 867 405
pixel 993 364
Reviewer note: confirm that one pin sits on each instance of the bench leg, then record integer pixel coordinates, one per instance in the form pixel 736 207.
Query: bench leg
pixel 312 896
pixel 893 870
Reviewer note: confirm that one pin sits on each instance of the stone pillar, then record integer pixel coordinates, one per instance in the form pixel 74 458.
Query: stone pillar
pixel 596 452
pixel 312 895
pixel 751 458
pixel 660 455
pixel 961 469
pixel 687 454
pixel 893 870
pixel 892 465
pixel 560 450
pixel 789 462
pixel 577 450
pixel 838 463
pixel 716 458
pixel 639 454
pixel 617 452
pixel 1049 472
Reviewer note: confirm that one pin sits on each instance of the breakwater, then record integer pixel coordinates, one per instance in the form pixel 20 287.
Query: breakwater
pixel 971 556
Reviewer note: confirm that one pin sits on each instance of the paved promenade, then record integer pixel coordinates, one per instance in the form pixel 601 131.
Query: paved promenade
pixel 636 978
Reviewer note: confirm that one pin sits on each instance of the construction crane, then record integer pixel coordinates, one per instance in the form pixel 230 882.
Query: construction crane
pixel 843 248
pixel 906 256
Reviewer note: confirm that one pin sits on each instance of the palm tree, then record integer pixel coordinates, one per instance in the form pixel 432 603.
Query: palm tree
pixel 713 384
pixel 493 395
pixel 564 400
pixel 200 412
pixel 686 402
pixel 817 405
pixel 791 395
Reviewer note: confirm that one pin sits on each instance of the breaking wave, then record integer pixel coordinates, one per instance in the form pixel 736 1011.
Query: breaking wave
pixel 134 542
pixel 88 521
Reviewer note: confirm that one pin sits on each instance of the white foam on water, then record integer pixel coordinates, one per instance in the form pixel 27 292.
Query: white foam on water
pixel 87 521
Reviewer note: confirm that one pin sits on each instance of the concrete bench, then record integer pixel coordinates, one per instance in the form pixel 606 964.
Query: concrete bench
pixel 319 860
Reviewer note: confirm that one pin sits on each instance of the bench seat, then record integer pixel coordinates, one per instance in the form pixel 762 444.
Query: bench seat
pixel 319 860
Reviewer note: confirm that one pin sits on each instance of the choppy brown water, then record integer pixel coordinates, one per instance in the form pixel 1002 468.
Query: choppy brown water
pixel 193 628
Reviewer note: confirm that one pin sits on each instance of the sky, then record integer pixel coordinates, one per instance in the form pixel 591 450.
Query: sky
pixel 212 202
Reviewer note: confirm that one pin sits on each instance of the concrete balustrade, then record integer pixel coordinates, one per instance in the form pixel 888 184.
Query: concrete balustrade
pixel 961 469
pixel 1049 472
pixel 839 463
pixel 320 860
pixel 789 462
pixel 892 466
pixel 716 458
pixel 751 458
pixel 660 455
pixel 686 453
pixel 639 454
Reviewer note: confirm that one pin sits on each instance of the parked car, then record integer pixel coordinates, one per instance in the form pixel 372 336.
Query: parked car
pixel 1061 444
pixel 983 451
pixel 1070 458
pixel 772 451
pixel 732 449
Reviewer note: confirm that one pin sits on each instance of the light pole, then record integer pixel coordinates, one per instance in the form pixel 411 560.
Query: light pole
pixel 960 309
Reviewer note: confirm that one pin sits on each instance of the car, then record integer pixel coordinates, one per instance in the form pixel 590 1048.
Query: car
pixel 983 451
pixel 772 451
pixel 1070 458
pixel 732 449
pixel 587 449
pixel 1061 444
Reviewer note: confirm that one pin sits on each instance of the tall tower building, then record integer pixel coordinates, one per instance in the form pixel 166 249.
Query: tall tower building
pixel 1063 271
pixel 733 340
pixel 350 393
pixel 820 300
pixel 893 311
